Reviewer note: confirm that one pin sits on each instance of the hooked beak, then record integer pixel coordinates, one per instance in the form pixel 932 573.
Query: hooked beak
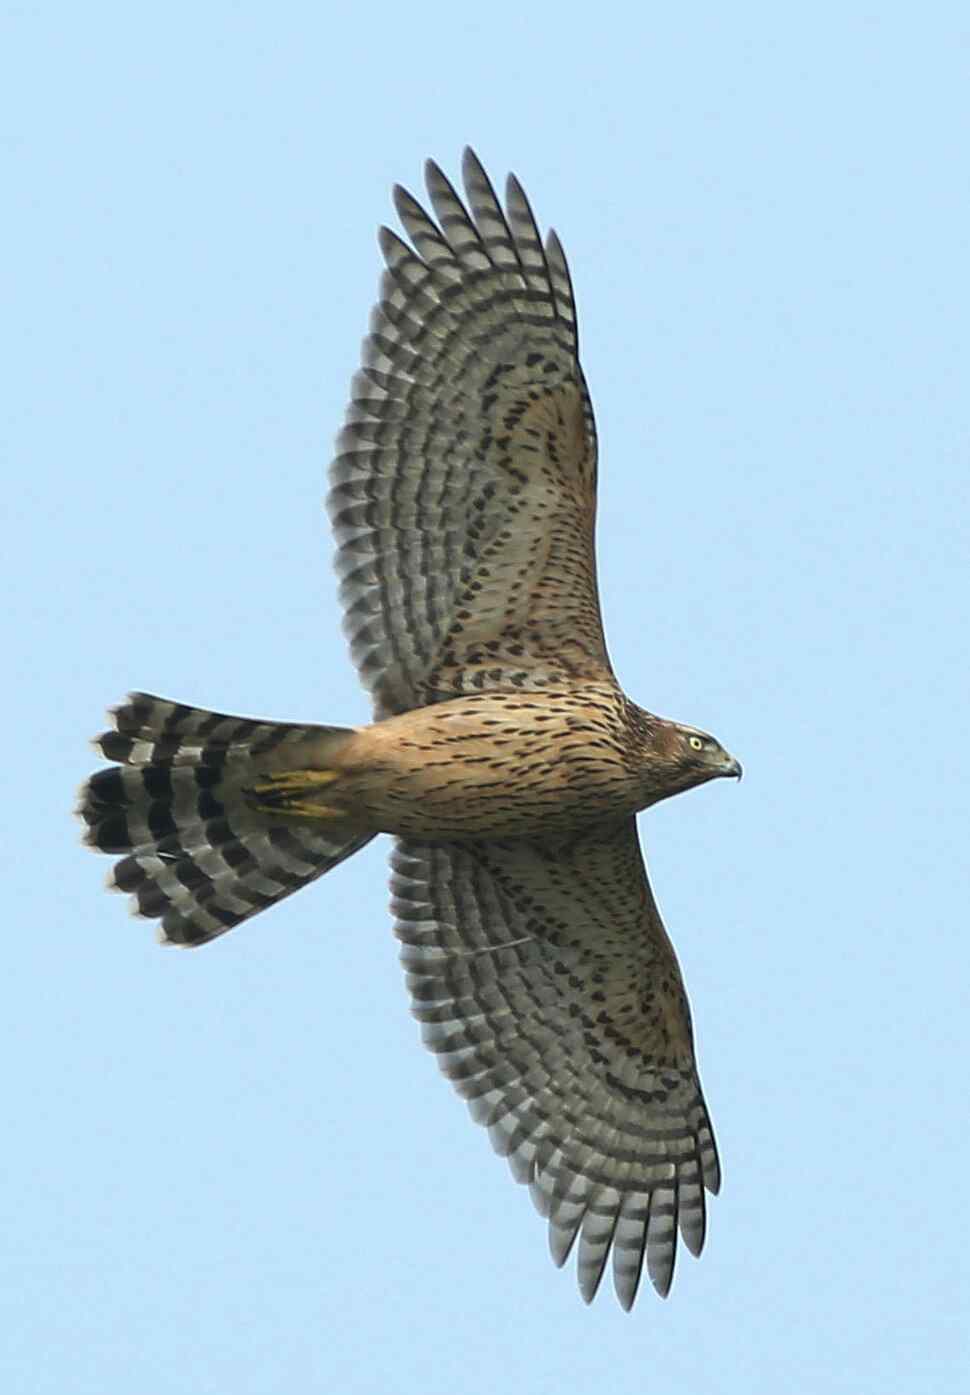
pixel 731 767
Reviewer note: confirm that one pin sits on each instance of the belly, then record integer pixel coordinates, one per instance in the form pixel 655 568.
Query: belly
pixel 495 765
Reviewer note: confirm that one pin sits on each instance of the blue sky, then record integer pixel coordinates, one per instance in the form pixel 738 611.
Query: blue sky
pixel 236 1169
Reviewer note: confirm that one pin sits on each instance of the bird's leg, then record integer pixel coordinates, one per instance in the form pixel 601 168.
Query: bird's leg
pixel 294 793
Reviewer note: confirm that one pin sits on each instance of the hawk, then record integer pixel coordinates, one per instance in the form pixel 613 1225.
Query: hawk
pixel 503 756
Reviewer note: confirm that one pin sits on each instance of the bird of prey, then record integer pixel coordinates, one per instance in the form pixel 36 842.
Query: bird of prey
pixel 503 755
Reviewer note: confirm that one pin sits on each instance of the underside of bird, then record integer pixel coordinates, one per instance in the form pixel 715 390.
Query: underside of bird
pixel 218 816
pixel 505 758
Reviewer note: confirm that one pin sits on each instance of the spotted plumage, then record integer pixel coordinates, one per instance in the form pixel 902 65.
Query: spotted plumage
pixel 503 756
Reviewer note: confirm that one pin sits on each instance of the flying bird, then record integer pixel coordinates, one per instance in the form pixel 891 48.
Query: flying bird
pixel 503 755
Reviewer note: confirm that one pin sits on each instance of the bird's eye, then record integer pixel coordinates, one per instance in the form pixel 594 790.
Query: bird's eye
pixel 696 743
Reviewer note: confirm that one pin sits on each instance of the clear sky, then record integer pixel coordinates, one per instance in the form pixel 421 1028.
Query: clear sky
pixel 236 1170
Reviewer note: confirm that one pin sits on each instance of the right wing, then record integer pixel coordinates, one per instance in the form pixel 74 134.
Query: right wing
pixel 463 494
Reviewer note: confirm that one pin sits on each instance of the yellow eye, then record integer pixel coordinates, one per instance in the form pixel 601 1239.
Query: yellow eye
pixel 696 743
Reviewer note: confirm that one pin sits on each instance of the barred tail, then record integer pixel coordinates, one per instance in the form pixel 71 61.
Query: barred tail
pixel 199 855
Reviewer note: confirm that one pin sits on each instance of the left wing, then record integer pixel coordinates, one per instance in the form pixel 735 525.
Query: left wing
pixel 546 984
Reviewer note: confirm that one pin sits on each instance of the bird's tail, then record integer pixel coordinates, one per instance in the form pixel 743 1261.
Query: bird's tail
pixel 204 850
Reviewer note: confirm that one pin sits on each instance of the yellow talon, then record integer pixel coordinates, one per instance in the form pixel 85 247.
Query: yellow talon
pixel 281 794
pixel 294 780
pixel 302 811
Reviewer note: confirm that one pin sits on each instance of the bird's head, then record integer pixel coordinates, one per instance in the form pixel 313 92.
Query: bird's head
pixel 681 757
